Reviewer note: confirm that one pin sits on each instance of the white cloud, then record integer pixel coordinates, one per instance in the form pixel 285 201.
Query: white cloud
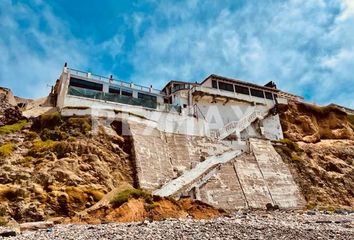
pixel 299 44
pixel 348 12
pixel 34 44
pixel 113 46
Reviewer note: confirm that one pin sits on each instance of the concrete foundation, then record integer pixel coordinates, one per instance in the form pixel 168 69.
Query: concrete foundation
pixel 251 180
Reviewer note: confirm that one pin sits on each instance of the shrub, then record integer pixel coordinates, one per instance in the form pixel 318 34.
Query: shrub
pixel 6 149
pixel 62 148
pixel 55 135
pixel 40 146
pixel 295 157
pixel 291 145
pixel 49 120
pixel 81 123
pixel 13 128
pixel 71 139
pixel 124 196
pixel 151 206
pixel 30 136
pixel 27 161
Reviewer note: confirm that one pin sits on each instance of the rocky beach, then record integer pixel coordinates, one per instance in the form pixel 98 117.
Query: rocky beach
pixel 241 225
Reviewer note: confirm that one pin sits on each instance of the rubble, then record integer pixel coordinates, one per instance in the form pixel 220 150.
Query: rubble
pixel 251 225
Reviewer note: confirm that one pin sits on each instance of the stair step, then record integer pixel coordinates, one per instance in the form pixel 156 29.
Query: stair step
pixel 191 176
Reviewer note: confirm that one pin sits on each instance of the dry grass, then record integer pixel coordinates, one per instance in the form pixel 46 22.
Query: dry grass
pixel 6 149
pixel 54 135
pixel 39 147
pixel 50 120
pixel 13 128
pixel 83 124
pixel 291 145
pixel 76 195
pixel 124 196
pixel 351 119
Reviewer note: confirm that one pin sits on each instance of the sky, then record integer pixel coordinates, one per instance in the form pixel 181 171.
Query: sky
pixel 305 46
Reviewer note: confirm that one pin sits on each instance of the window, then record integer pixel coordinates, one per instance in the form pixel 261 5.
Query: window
pixel 214 84
pixel 147 97
pixel 114 90
pixel 242 90
pixel 226 86
pixel 127 93
pixel 257 93
pixel 75 82
pixel 269 95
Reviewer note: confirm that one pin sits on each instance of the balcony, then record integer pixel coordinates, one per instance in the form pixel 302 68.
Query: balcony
pixel 111 97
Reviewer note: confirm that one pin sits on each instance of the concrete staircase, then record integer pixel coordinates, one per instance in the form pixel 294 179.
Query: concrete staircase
pixel 240 125
pixel 279 181
pixel 196 176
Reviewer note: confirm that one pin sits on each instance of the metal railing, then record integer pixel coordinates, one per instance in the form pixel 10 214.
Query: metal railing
pixel 111 97
pixel 240 125
pixel 113 81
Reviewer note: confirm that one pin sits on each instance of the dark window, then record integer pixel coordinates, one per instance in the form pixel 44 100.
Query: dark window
pixel 242 90
pixel 114 90
pixel 214 84
pixel 269 95
pixel 257 93
pixel 147 97
pixel 226 86
pixel 75 82
pixel 127 93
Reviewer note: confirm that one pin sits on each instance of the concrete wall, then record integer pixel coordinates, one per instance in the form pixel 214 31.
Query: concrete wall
pixel 247 181
pixel 164 121
pixel 161 156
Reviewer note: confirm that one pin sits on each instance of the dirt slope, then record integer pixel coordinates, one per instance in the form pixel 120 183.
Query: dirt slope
pixel 310 123
pixel 319 149
pixel 56 167
pixel 139 210
pixel 324 171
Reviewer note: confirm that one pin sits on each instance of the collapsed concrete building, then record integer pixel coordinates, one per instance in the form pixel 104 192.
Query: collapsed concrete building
pixel 210 140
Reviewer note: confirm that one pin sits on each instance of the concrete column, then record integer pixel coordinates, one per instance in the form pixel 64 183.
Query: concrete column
pixel 106 87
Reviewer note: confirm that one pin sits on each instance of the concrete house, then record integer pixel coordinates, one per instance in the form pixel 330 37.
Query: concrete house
pixel 210 108
pixel 208 140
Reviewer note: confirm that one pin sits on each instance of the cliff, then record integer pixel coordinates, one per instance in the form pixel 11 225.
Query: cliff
pixel 310 123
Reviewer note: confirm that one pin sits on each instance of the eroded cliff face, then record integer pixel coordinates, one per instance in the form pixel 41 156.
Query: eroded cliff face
pixel 324 171
pixel 55 166
pixel 310 123
pixel 319 149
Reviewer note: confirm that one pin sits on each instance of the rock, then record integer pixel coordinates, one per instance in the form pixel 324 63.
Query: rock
pixel 311 213
pixel 7 233
pixel 32 226
pixel 341 211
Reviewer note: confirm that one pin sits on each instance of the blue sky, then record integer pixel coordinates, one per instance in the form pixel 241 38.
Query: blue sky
pixel 305 46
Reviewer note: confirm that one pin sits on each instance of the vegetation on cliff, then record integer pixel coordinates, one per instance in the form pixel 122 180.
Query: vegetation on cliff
pixel 54 166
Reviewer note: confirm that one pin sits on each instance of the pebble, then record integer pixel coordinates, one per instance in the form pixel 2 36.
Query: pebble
pixel 279 226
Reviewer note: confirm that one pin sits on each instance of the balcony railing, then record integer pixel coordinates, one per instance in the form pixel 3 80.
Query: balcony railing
pixel 113 82
pixel 110 97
